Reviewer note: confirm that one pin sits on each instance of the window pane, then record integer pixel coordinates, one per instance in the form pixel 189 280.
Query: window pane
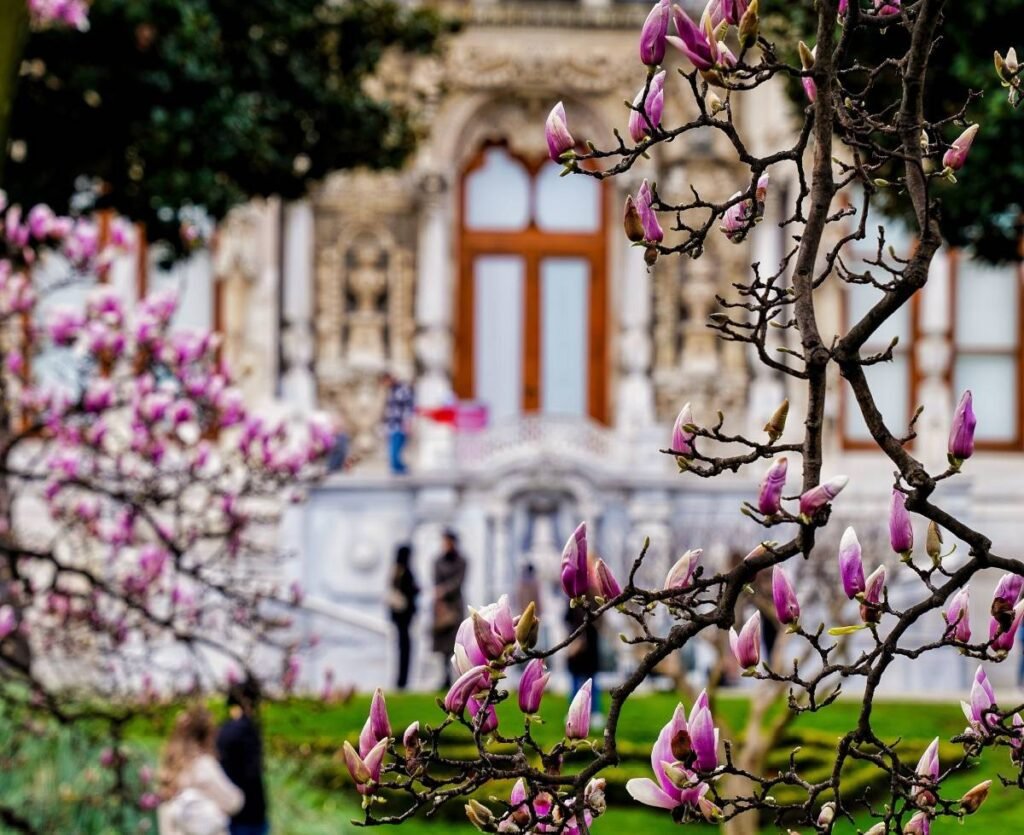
pixel 890 384
pixel 498 193
pixel 993 381
pixel 860 298
pixel 498 333
pixel 986 306
pixel 567 204
pixel 565 331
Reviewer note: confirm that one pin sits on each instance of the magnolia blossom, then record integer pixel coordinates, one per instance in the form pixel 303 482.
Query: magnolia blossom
pixel 871 601
pixel 1001 637
pixel 818 497
pixel 70 13
pixel 769 497
pixel 746 645
pixel 928 769
pixel 577 724
pixel 901 530
pixel 377 727
pixel 465 687
pixel 685 746
pixel 557 133
pixel 807 57
pixel 958 617
pixel 575 570
pixel 681 573
pixel 851 565
pixel 787 607
pixel 603 583
pixel 531 686
pixel 961 433
pixel 983 701
pixel 682 438
pixel 652 231
pixel 647 110
pixel 693 41
pixel 652 35
pixel 956 156
pixel 365 770
pixel 489 722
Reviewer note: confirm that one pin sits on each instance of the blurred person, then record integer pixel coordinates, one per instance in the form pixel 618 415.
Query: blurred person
pixel 583 657
pixel 398 413
pixel 198 798
pixel 402 596
pixel 449 604
pixel 528 589
pixel 240 746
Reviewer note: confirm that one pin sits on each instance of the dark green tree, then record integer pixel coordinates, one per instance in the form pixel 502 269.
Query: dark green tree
pixel 165 104
pixel 985 210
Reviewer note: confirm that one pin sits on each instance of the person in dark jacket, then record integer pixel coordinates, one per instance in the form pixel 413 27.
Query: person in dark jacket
pixel 584 656
pixel 449 604
pixel 240 748
pixel 402 602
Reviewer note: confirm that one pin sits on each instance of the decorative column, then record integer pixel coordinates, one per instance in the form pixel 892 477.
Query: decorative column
pixel 932 352
pixel 298 387
pixel 635 401
pixel 434 298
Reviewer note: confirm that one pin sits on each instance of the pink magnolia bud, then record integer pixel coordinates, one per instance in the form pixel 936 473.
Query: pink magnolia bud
pixel 557 133
pixel 653 233
pixel 956 156
pixel 365 771
pixel 746 645
pixel 874 587
pixel 703 735
pixel 531 686
pixel 467 685
pixel 787 607
pixel 8 620
pixel 958 617
pixel 851 565
pixel 653 106
pixel 692 41
pixel 652 35
pixel 603 583
pixel 681 574
pixel 380 723
pixel 818 497
pixel 489 723
pixel 577 725
pixel 972 800
pixel 575 569
pixel 682 437
pixel 769 497
pixel 1000 639
pixel 961 433
pixel 901 531
pixel 807 62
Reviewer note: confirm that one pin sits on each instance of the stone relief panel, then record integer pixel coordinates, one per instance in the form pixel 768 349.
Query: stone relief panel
pixel 364 321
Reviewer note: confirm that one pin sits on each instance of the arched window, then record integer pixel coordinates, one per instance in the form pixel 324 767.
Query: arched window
pixel 531 310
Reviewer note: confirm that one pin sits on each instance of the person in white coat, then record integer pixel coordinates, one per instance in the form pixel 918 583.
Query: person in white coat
pixel 198 798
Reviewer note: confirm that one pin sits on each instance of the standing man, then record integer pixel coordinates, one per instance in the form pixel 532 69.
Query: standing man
pixel 402 594
pixel 398 412
pixel 240 748
pixel 449 605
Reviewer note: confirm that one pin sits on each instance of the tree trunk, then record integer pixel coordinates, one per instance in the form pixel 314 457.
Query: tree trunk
pixel 13 32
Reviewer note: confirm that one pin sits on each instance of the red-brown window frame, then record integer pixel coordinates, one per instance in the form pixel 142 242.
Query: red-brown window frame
pixel 533 245
pixel 914 377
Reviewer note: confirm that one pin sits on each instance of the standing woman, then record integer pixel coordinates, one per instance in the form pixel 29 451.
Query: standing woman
pixel 449 605
pixel 196 793
pixel 402 602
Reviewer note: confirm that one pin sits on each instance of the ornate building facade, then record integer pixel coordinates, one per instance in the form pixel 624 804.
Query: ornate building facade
pixel 478 274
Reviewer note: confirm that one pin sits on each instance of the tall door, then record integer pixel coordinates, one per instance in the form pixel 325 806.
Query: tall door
pixel 531 324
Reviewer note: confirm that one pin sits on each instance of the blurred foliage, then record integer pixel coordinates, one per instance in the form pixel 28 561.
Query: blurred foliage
pixel 165 104
pixel 984 210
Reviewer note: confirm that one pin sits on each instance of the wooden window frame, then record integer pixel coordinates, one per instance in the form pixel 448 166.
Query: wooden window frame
pixel 532 244
pixel 847 401
pixel 1016 444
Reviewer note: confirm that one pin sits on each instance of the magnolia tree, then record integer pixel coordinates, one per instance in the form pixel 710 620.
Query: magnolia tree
pixel 852 144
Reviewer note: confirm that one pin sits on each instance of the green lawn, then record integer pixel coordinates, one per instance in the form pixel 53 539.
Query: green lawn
pixel 311 793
